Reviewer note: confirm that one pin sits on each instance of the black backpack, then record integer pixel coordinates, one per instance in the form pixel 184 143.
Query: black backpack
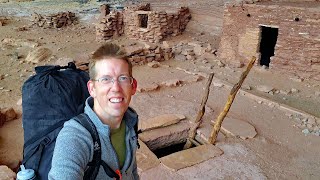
pixel 52 96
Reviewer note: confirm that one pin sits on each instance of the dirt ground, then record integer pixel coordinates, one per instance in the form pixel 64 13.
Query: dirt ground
pixel 280 150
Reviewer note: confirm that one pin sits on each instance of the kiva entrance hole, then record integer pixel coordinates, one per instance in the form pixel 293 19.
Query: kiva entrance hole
pixel 165 151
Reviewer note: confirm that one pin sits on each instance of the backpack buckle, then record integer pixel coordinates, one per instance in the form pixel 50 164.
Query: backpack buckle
pixel 46 141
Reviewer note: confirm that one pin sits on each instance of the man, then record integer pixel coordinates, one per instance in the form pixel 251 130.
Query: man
pixel 111 86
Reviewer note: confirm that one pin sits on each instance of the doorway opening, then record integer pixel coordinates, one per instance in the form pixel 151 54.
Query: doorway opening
pixel 268 42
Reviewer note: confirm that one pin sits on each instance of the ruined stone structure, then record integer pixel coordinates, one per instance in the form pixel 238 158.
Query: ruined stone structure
pixel 54 20
pixel 110 24
pixel 288 32
pixel 154 26
pixel 139 22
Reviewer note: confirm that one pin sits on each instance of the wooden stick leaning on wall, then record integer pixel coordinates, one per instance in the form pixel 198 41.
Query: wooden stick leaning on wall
pixel 197 122
pixel 232 95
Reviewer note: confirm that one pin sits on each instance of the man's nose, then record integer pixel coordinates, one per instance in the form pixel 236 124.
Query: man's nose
pixel 115 84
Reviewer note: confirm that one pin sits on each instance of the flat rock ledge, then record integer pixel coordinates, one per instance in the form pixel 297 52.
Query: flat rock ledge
pixel 146 159
pixel 235 127
pixel 190 157
pixel 160 121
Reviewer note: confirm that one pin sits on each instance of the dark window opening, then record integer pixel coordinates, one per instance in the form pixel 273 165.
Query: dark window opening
pixel 143 19
pixel 268 42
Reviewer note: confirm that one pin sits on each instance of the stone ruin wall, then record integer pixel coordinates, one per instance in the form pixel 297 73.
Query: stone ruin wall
pixel 58 20
pixel 207 15
pixel 297 47
pixel 110 24
pixel 159 25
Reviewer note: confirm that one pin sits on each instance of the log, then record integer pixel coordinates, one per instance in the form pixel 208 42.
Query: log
pixel 197 122
pixel 232 95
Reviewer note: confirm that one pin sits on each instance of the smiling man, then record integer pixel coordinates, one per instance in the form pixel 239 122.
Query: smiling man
pixel 111 86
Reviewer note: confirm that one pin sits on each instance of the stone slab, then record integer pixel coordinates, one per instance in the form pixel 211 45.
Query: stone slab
pixel 6 173
pixel 239 128
pixel 146 159
pixel 190 157
pixel 160 121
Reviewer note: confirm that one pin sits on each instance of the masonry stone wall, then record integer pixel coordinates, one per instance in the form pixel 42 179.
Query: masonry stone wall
pixel 159 24
pixel 110 24
pixel 58 20
pixel 297 47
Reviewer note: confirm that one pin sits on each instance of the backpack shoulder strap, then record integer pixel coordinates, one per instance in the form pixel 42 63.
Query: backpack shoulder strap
pixel 92 172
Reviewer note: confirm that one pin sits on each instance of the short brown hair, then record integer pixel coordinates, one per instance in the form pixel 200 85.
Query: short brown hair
pixel 107 51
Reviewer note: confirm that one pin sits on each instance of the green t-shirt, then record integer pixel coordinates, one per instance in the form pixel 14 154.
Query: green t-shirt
pixel 118 142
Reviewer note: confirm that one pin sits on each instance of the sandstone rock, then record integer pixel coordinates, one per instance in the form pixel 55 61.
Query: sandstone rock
pixel 218 84
pixel 194 78
pixel 236 127
pixel 38 55
pixel 63 61
pixel 9 113
pixel 198 50
pixel 149 87
pixel 6 173
pixel 160 121
pixel 312 121
pixel 180 57
pixel 154 64
pixel 171 83
pixel 146 159
pixel 264 88
pixel 190 157
pixel 19 42
pixel 165 44
pixel 293 90
pixel 246 87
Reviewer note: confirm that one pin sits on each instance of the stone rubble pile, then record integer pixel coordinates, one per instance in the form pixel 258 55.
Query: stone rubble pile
pixel 191 50
pixel 55 20
pixel 150 52
pixel 309 125
pixel 110 24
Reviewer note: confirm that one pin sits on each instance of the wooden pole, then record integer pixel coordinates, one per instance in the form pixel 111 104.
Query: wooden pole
pixel 197 122
pixel 232 95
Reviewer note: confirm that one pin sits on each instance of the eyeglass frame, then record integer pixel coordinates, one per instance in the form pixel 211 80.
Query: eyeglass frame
pixel 113 80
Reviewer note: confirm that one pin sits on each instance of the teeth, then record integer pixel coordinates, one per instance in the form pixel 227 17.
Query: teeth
pixel 115 100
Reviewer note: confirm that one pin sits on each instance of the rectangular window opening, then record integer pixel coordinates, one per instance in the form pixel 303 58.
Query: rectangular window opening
pixel 143 20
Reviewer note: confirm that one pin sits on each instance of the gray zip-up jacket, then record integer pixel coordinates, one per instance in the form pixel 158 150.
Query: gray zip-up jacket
pixel 74 148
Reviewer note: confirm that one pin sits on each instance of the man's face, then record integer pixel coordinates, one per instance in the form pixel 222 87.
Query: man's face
pixel 111 100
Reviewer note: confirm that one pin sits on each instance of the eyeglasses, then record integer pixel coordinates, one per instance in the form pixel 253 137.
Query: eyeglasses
pixel 122 80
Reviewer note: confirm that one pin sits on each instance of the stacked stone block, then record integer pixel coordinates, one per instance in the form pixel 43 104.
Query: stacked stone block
pixel 55 20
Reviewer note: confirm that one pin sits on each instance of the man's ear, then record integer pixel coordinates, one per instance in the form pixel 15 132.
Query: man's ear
pixel 91 89
pixel 134 86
